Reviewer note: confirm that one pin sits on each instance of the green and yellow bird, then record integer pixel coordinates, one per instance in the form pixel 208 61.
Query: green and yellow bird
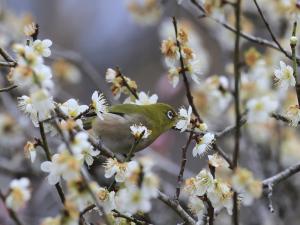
pixel 114 130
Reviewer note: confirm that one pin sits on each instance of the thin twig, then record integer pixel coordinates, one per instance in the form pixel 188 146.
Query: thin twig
pixel 223 154
pixel 129 218
pixel 235 216
pixel 6 56
pixel 182 166
pixel 177 208
pixel 231 128
pixel 48 156
pixel 270 30
pixel 279 177
pixel 185 80
pixel 8 88
pixel 248 37
pixel 13 215
pixel 132 91
pixel 295 66
pixel 7 64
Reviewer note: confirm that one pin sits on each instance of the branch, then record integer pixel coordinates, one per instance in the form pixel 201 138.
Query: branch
pixel 235 215
pixel 270 30
pixel 182 167
pixel 277 178
pixel 8 88
pixel 8 64
pixel 223 154
pixel 177 208
pixel 129 218
pixel 185 80
pixel 7 57
pixel 13 215
pixel 231 128
pixel 248 37
pixel 295 66
pixel 48 156
pixel 132 91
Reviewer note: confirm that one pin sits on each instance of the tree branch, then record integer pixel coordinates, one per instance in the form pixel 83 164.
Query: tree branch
pixel 177 208
pixel 182 167
pixel 185 80
pixel 270 30
pixel 8 88
pixel 248 37
pixel 13 215
pixel 235 215
pixel 48 156
pixel 277 178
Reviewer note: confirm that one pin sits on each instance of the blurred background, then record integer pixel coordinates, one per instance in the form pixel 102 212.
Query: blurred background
pixel 95 35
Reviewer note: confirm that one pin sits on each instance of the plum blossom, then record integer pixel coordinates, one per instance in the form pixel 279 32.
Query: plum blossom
pixel 260 108
pixel 140 131
pixel 145 99
pixel 120 170
pixel 19 193
pixel 81 147
pixel 285 76
pixel 99 104
pixel 42 47
pixel 184 118
pixel 204 144
pixel 62 165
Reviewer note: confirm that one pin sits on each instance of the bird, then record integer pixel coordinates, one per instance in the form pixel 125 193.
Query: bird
pixel 114 132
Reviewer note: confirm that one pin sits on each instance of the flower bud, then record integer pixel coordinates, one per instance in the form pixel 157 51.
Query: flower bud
pixel 293 40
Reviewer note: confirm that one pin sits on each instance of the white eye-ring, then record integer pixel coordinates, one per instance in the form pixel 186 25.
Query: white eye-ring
pixel 170 115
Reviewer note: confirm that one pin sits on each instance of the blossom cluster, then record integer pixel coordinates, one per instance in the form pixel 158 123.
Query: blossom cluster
pixel 180 57
pixel 139 184
pixel 206 188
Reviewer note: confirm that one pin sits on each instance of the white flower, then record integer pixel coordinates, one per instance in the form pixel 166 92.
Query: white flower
pixel 293 114
pixel 285 76
pixel 221 196
pixel 120 170
pixel 184 118
pixel 173 76
pixel 217 161
pixel 19 193
pixel 107 199
pixel 248 188
pixel 62 164
pixel 131 199
pixel 199 185
pixel 150 184
pixel 42 103
pixel 260 108
pixel 204 144
pixel 110 75
pixel 38 106
pixel 99 104
pixel 28 57
pixel 197 207
pixel 44 76
pixel 42 47
pixel 144 99
pixel 22 76
pixel 82 148
pixel 138 130
pixel 72 108
pixel 194 70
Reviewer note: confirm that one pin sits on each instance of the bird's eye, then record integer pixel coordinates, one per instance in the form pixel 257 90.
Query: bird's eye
pixel 170 114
